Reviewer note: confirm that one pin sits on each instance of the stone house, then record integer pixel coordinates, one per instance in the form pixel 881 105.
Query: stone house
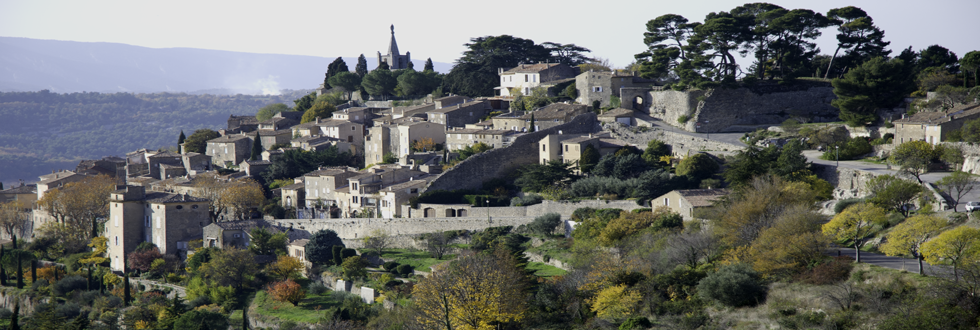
pixel 362 193
pixel 394 196
pixel 238 234
pixel 195 163
pixel 297 249
pixel 544 118
pixel 618 115
pixel 293 195
pixel 933 127
pixel 317 143
pixel 238 124
pixel 448 101
pixel 321 185
pixel 360 115
pixel 254 168
pixel 411 131
pixel 55 180
pixel 409 111
pixel 25 193
pixel 687 202
pixel 307 129
pixel 169 160
pixel 270 138
pixel 602 86
pixel 111 166
pixel 568 147
pixel 460 138
pixel 229 149
pixel 461 114
pixel 167 220
pixel 352 133
pixel 277 122
pixel 526 77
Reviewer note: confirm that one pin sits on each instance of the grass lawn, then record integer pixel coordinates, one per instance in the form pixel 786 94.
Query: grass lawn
pixel 421 260
pixel 310 310
pixel 544 270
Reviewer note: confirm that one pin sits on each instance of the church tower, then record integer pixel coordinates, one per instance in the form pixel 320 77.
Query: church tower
pixel 394 59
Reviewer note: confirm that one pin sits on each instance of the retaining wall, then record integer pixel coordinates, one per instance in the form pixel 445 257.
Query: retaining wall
pixel 501 162
pixel 680 143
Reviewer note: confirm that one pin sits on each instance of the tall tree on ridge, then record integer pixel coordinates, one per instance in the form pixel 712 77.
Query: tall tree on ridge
pixel 361 68
pixel 857 35
pixel 337 66
pixel 428 65
pixel 256 147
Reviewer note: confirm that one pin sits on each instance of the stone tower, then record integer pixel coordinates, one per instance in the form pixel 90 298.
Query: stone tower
pixel 394 59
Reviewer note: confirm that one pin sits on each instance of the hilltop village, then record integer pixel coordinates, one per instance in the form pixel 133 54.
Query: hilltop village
pixel 540 190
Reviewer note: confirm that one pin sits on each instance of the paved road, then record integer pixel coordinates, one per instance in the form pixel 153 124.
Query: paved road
pixel 898 263
pixel 175 289
pixel 731 138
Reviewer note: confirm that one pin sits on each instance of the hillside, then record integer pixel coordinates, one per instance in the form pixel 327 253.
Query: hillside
pixel 42 131
pixel 68 66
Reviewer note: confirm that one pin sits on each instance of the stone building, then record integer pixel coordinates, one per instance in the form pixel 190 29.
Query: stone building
pixel 167 220
pixel 238 124
pixel 238 234
pixel 229 149
pixel 687 202
pixel 169 160
pixel 25 193
pixel 460 138
pixel 352 133
pixel 270 138
pixel 293 195
pixel 363 191
pixel 618 115
pixel 602 86
pixel 277 122
pixel 55 180
pixel 321 185
pixel 196 163
pixel 545 117
pixel 568 147
pixel 933 127
pixel 394 59
pixel 394 196
pixel 460 114
pixel 448 101
pixel 360 115
pixel 411 131
pixel 526 77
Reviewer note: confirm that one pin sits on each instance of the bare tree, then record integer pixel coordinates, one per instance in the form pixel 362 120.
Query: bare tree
pixel 842 294
pixel 957 185
pixel 378 240
pixel 437 244
pixel 13 216
pixel 690 248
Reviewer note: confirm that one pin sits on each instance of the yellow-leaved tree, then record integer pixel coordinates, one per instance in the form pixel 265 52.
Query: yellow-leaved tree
pixel 479 291
pixel 243 195
pixel 959 246
pixel 616 302
pixel 757 207
pixel 80 206
pixel 908 237
pixel 854 224
pixel 793 243
pixel 286 267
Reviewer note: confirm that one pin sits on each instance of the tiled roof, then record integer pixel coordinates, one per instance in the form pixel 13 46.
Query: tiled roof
pixel 531 68
pixel 408 184
pixel 299 242
pixel 245 120
pixel 26 189
pixel 164 198
pixel 702 197
pixel 579 139
pixel 556 111
pixel 938 117
pixel 460 106
pixel 295 186
pixel 228 138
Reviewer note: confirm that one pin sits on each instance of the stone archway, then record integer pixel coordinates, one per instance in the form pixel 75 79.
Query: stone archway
pixel 430 212
pixel 450 213
pixel 461 213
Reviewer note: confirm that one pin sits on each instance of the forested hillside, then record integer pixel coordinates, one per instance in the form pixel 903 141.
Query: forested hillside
pixel 41 131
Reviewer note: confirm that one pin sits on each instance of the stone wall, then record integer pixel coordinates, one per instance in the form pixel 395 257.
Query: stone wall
pixel 681 143
pixel 472 172
pixel 848 182
pixel 735 109
pixel 350 230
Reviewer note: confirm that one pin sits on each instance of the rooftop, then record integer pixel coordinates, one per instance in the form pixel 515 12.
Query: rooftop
pixel 939 117
pixel 531 68
pixel 702 197
pixel 618 112
pixel 556 111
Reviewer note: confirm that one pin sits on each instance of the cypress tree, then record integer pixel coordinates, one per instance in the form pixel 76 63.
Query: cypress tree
pixel 15 241
pixel 361 68
pixel 256 147
pixel 126 295
pixel 245 316
pixel 1 185
pixel 181 138
pixel 88 280
pixel 428 65
pixel 34 271
pixel 20 272
pixel 3 271
pixel 13 317
pixel 531 129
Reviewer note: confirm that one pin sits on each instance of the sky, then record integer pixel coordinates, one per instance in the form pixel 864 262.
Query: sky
pixel 613 30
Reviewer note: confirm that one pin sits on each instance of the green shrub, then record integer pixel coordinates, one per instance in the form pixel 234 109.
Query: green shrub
pixel 546 224
pixel 638 322
pixel 683 119
pixel 391 265
pixel 404 270
pixel 69 284
pixel 734 286
pixel 833 271
pixel 526 200
pixel 316 289
pixel 196 318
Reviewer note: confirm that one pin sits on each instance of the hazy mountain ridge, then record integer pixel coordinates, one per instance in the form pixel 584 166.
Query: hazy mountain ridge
pixel 69 66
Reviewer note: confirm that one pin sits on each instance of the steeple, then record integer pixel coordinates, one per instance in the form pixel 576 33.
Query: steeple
pixel 393 46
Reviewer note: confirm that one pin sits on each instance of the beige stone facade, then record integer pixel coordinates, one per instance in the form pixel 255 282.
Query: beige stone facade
pixel 167 220
pixel 687 202
pixel 461 114
pixel 526 77
pixel 934 127
pixel 410 132
pixel 229 149
pixel 461 138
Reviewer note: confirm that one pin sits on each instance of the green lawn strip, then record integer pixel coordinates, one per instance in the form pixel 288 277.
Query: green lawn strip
pixel 310 310
pixel 545 270
pixel 421 260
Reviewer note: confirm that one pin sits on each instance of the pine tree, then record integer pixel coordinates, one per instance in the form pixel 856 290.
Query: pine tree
pixel 256 147
pixel 80 323
pixel 1 185
pixel 361 68
pixel 411 66
pixel 428 65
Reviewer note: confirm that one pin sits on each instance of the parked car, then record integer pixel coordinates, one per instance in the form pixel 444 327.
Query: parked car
pixel 972 206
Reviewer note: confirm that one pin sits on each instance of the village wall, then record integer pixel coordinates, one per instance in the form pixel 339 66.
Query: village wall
pixel 735 109
pixel 847 182
pixel 680 143
pixel 500 162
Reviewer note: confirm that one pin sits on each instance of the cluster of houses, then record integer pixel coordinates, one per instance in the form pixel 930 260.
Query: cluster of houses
pixel 155 197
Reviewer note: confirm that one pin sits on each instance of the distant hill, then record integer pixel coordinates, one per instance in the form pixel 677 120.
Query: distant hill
pixel 69 66
pixel 44 131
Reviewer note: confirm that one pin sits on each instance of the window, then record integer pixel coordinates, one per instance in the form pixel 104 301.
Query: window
pixel 415 190
pixel 147 222
pixel 117 242
pixel 597 89
pixel 115 219
pixel 355 200
pixel 566 147
pixel 158 222
pixel 666 201
pixel 194 207
pixel 525 78
pixel 180 207
pixel 352 128
pixel 236 235
pixel 544 147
